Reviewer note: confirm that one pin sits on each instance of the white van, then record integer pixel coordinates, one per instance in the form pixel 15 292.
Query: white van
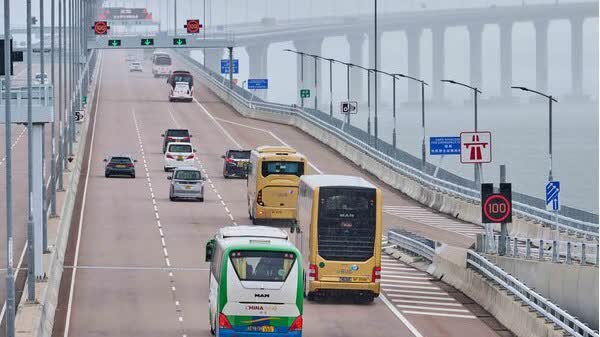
pixel 256 283
pixel 161 64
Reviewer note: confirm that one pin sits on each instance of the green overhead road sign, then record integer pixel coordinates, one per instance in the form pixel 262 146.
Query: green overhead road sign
pixel 304 93
pixel 179 42
pixel 147 42
pixel 84 100
pixel 114 43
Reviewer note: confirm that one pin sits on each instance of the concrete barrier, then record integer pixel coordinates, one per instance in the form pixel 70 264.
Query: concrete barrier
pixel 37 319
pixel 450 266
pixel 574 287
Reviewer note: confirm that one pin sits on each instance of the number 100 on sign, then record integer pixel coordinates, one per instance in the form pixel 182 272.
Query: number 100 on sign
pixel 496 207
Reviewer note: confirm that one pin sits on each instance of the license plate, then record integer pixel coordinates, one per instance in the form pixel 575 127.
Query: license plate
pixel 240 164
pixel 188 187
pixel 120 166
pixel 345 279
pixel 267 328
pixel 180 158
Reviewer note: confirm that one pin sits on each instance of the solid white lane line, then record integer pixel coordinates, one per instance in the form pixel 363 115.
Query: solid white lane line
pixel 436 298
pixel 430 308
pixel 269 133
pixel 218 124
pixel 401 317
pixel 85 187
pixel 437 314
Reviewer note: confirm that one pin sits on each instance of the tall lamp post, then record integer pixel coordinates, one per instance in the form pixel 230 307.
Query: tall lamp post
pixel 477 168
pixel 301 70
pixel 393 76
pixel 423 147
pixel 331 61
pixel 550 100
pixel 368 70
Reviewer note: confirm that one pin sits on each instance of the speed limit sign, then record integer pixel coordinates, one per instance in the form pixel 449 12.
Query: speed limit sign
pixel 496 207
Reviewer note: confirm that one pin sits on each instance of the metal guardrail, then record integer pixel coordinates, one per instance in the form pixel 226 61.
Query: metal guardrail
pixel 366 145
pixel 544 250
pixel 414 246
pixel 543 306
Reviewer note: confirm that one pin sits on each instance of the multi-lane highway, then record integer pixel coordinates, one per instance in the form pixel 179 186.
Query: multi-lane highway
pixel 135 261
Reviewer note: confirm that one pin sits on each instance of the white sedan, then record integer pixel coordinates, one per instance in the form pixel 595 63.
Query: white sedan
pixel 135 66
pixel 179 155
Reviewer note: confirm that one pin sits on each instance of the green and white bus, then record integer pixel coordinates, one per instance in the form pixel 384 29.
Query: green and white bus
pixel 256 284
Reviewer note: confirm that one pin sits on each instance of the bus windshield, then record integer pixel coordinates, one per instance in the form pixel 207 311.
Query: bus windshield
pixel 182 78
pixel 282 167
pixel 162 60
pixel 264 266
pixel 346 223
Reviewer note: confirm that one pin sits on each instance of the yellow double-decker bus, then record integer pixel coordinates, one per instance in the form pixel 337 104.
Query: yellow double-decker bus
pixel 342 215
pixel 273 184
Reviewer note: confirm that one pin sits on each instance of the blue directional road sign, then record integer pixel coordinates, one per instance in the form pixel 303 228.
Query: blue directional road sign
pixel 552 196
pixel 258 83
pixel 444 145
pixel 225 66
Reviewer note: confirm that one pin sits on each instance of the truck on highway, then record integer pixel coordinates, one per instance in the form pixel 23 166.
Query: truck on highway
pixel 255 283
pixel 343 217
pixel 161 64
pixel 273 179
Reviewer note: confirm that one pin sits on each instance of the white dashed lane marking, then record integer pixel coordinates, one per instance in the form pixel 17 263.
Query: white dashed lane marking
pixel 163 242
pixel 205 174
pixel 414 293
pixel 430 218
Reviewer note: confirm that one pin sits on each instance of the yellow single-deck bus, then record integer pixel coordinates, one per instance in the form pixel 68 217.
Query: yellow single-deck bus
pixel 273 184
pixel 343 217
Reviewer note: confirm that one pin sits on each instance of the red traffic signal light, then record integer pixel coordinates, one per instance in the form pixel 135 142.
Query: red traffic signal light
pixel 101 27
pixel 193 26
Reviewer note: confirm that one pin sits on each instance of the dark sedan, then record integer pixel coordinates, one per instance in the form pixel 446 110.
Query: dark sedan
pixel 119 166
pixel 236 163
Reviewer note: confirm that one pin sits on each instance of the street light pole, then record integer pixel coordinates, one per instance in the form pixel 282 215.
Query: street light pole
pixel 550 100
pixel 301 71
pixel 10 284
pixel 375 84
pixel 330 88
pixel 476 92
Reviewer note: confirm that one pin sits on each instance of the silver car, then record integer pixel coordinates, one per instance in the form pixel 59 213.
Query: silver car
pixel 187 182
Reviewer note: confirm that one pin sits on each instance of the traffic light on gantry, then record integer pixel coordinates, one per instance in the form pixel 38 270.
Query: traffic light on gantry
pixel 193 26
pixel 101 27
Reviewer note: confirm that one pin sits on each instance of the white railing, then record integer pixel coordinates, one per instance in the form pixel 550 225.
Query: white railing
pixel 520 209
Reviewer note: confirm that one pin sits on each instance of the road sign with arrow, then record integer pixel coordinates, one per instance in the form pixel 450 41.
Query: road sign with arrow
pixel 114 43
pixel 179 42
pixel 147 42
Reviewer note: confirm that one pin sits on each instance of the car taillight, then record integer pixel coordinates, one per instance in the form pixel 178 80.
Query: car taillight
pixel 185 139
pixel 110 165
pixel 313 274
pixel 191 156
pixel 169 156
pixel 297 324
pixel 259 198
pixel 170 138
pixel 130 165
pixel 224 322
pixel 376 277
pixel 229 160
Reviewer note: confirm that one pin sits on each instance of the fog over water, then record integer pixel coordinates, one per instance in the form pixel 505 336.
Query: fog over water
pixel 520 131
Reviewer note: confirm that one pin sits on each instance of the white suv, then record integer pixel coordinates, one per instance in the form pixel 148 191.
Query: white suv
pixel 178 155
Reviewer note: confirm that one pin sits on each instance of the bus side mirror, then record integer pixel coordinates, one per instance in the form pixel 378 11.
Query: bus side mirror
pixel 210 248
